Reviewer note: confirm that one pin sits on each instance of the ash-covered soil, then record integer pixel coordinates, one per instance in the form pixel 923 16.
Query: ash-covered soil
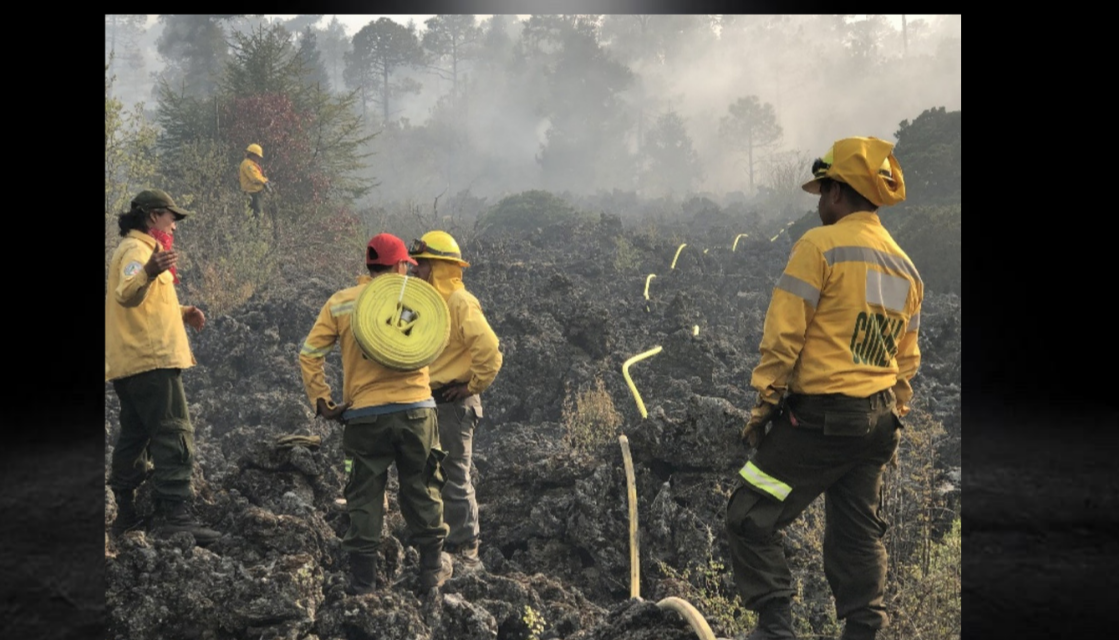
pixel 555 527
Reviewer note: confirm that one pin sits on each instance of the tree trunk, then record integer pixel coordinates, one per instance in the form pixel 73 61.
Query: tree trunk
pixel 904 38
pixel 112 50
pixel 640 127
pixel 750 148
pixel 385 94
pixel 454 74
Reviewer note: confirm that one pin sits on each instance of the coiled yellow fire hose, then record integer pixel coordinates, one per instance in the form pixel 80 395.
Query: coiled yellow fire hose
pixel 625 372
pixel 678 254
pixel 400 322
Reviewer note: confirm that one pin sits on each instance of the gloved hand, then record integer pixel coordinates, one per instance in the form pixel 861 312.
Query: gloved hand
pixel 324 409
pixel 760 416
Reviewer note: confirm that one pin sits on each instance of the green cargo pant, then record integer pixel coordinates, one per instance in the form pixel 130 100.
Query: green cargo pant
pixel 155 434
pixel 254 202
pixel 457 421
pixel 839 447
pixel 410 438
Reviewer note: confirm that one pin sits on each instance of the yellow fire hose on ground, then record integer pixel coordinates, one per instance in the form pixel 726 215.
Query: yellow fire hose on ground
pixel 689 613
pixel 682 607
pixel 647 281
pixel 625 372
pixel 735 245
pixel 780 231
pixel 678 254
pixel 634 556
pixel 401 322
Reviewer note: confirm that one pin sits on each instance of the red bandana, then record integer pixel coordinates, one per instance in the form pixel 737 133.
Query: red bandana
pixel 165 239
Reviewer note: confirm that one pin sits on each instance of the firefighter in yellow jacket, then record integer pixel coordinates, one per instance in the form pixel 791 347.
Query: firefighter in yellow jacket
pixel 253 182
pixel 467 367
pixel 838 352
pixel 146 349
pixel 389 416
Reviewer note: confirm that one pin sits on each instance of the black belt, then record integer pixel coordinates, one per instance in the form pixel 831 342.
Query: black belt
pixel 840 402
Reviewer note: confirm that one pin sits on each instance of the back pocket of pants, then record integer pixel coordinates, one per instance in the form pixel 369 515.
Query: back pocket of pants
pixel 844 423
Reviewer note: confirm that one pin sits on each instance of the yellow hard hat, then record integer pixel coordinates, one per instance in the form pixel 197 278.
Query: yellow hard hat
pixel 438 245
pixel 255 148
pixel 849 160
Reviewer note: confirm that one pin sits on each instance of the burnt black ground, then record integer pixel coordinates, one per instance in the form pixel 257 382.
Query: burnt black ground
pixel 1040 548
pixel 1041 526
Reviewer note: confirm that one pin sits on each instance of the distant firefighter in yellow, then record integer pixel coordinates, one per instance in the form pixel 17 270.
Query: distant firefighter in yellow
pixel 253 181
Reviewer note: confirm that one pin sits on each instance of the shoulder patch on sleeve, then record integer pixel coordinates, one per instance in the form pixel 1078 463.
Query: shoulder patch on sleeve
pixel 132 268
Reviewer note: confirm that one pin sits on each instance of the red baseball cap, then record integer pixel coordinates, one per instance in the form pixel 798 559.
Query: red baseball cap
pixel 387 249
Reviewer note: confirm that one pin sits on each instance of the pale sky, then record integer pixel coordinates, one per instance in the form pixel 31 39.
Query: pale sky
pixel 353 23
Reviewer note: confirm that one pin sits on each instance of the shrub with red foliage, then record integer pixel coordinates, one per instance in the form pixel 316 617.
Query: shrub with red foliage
pixel 284 133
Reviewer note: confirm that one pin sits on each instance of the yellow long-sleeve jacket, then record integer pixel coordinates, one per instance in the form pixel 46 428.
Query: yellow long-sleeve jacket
pixel 473 351
pixel 144 327
pixel 365 383
pixel 252 179
pixel 844 316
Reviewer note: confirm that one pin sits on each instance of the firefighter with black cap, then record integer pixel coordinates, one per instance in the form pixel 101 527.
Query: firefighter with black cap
pixel 838 351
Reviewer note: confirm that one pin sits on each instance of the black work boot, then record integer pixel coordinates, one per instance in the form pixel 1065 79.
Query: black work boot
pixel 435 567
pixel 174 516
pixel 363 574
pixel 775 622
pixel 856 631
pixel 127 519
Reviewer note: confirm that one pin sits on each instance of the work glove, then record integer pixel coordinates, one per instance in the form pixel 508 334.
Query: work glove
pixel 289 441
pixel 335 413
pixel 454 393
pixel 760 416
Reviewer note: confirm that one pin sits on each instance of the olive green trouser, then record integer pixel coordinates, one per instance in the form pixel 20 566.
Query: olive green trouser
pixel 410 438
pixel 457 421
pixel 155 431
pixel 839 447
pixel 254 202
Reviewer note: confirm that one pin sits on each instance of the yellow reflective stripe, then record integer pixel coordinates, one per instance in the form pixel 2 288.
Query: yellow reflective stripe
pixel 914 322
pixel 799 288
pixel 872 256
pixel 762 480
pixel 309 350
pixel 342 309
